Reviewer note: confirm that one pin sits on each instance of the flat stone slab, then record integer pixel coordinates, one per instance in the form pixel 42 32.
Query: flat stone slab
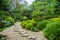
pixel 24 32
pixel 16 30
pixel 25 35
pixel 32 37
pixel 21 30
pixel 38 39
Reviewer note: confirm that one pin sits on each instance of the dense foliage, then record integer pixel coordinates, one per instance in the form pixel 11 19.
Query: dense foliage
pixel 52 31
pixel 46 15
pixel 5 18
pixel 40 15
pixel 30 25
pixel 44 9
pixel 3 37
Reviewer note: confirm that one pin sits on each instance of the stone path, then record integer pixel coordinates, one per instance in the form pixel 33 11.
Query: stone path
pixel 17 33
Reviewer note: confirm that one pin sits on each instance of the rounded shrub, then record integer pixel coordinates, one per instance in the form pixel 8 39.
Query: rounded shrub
pixel 55 19
pixel 34 29
pixel 1 25
pixel 42 24
pixel 52 31
pixel 10 19
pixel 25 18
pixel 28 24
pixel 23 24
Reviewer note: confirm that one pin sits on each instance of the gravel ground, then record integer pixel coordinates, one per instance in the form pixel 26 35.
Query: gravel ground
pixel 12 35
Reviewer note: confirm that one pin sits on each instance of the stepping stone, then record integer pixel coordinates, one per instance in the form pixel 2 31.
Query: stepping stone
pixel 32 37
pixel 25 35
pixel 20 31
pixel 29 37
pixel 38 39
pixel 16 30
pixel 17 27
pixel 23 32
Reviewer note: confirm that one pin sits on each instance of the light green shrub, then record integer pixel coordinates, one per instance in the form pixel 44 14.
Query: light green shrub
pixel 23 24
pixel 10 19
pixel 28 24
pixel 25 18
pixel 55 19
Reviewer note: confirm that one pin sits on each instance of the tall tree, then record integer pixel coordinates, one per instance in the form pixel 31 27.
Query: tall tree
pixel 3 3
pixel 44 8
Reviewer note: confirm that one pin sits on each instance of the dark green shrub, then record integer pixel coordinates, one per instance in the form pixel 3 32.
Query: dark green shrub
pixel 4 14
pixel 52 31
pixel 35 29
pixel 6 23
pixel 1 24
pixel 3 37
pixel 42 24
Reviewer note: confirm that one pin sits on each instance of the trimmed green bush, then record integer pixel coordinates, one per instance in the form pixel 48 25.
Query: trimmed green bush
pixel 28 24
pixel 10 19
pixel 35 29
pixel 55 19
pixel 52 31
pixel 42 24
pixel 25 18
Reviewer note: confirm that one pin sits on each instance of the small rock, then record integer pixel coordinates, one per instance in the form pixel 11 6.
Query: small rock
pixel 16 30
pixel 33 37
pixel 38 39
pixel 17 27
pixel 23 32
pixel 29 37
pixel 7 39
pixel 25 35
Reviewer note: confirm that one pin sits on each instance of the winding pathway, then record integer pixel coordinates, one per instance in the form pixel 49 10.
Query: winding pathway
pixel 16 36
